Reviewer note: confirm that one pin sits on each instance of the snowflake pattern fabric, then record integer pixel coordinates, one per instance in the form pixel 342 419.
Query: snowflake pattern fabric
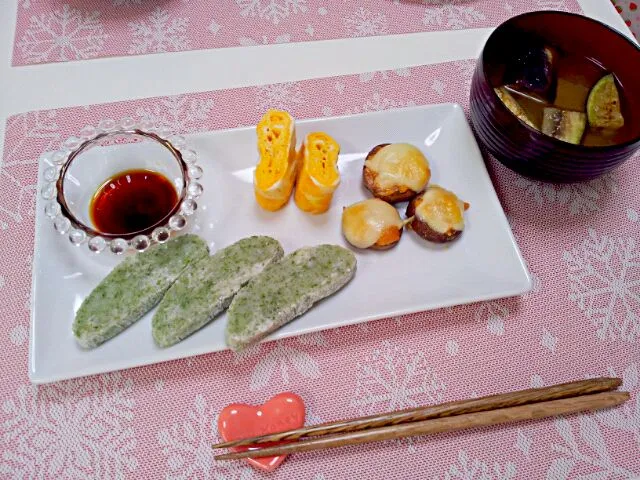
pixel 273 11
pixel 604 272
pixel 579 321
pixel 187 447
pixel 475 469
pixel 394 379
pixel 37 130
pixel 283 360
pixel 179 113
pixel 583 445
pixel 452 14
pixel 78 30
pixel 284 96
pixel 62 35
pixel 77 429
pixel 580 198
pixel 159 33
pixel 365 23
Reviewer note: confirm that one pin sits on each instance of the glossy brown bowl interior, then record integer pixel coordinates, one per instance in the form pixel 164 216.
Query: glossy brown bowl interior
pixel 527 150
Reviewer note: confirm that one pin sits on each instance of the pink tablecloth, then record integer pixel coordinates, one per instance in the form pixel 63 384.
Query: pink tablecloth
pixel 81 29
pixel 582 244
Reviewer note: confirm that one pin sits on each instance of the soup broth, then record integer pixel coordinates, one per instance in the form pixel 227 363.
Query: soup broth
pixel 574 78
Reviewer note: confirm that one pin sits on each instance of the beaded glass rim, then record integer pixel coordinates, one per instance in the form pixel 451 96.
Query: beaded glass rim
pixel 78 233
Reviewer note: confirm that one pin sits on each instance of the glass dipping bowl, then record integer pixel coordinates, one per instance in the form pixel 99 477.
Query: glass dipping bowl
pixel 83 165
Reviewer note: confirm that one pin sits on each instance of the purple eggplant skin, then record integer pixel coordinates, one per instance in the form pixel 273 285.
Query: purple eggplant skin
pixel 531 69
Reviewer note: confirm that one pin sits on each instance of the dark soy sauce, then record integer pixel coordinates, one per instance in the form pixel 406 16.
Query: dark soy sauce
pixel 132 201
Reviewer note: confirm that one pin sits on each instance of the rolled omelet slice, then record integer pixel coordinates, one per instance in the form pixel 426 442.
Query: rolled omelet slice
pixel 276 171
pixel 319 176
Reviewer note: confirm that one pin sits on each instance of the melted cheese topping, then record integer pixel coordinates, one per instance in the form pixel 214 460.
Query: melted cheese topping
pixel 363 223
pixel 319 176
pixel 441 209
pixel 400 164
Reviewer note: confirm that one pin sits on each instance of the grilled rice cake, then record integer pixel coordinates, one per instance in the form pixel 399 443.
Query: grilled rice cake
pixel 286 290
pixel 133 288
pixel 205 289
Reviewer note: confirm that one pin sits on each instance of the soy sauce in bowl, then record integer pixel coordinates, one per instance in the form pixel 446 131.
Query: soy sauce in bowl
pixel 132 201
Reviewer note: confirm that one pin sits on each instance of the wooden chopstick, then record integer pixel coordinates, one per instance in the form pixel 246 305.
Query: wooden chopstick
pixel 531 411
pixel 511 399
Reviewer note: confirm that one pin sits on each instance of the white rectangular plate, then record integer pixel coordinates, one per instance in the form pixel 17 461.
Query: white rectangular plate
pixel 484 263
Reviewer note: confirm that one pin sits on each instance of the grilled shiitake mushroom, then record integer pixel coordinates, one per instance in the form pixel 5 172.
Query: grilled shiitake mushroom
pixel 396 172
pixel 437 215
pixel 372 223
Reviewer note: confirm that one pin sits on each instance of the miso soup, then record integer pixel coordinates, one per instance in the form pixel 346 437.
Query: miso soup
pixel 568 97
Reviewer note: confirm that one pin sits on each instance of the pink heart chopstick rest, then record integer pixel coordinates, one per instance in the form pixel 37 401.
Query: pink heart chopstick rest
pixel 283 412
